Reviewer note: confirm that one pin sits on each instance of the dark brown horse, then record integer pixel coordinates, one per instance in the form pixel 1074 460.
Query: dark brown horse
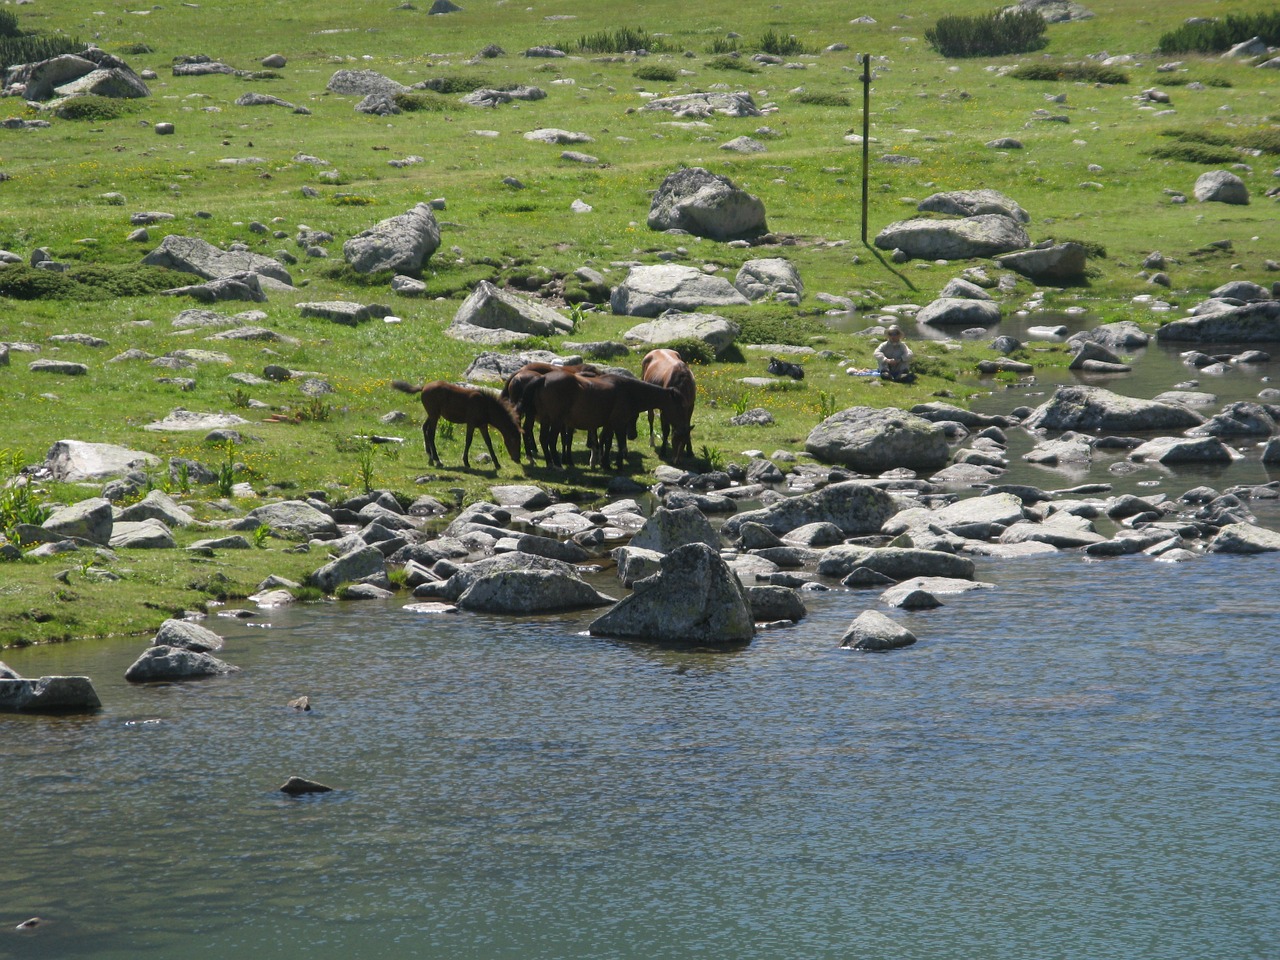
pixel 513 391
pixel 665 368
pixel 565 402
pixel 478 409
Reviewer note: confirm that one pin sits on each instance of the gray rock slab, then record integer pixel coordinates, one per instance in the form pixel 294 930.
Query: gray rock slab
pixel 175 663
pixel 402 244
pixel 1077 407
pixel 872 631
pixel 193 255
pixel 48 695
pixel 74 461
pixel 651 290
pixel 981 236
pixel 856 508
pixel 872 440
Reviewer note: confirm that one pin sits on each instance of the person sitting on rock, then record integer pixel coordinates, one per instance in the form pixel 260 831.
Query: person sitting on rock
pixel 894 356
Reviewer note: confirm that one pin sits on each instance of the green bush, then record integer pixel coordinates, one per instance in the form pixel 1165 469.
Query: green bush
pixel 87 283
pixel 731 62
pixel 658 72
pixel 692 350
pixel 455 84
pixel 92 107
pixel 781 46
pixel 1085 71
pixel 823 99
pixel 773 323
pixel 136 49
pixel 621 40
pixel 1218 35
pixel 1212 138
pixel 421 102
pixel 722 45
pixel 989 35
pixel 9 24
pixel 1268 141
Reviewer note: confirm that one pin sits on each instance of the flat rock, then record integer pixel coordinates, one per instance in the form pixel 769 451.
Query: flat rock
pixel 1077 407
pixel 872 440
pixel 981 236
pixel 75 461
pixel 651 290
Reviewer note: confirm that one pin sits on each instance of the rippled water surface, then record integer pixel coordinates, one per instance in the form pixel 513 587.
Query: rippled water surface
pixel 1080 763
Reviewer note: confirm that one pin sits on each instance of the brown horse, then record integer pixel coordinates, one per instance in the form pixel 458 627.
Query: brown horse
pixel 565 402
pixel 665 368
pixel 475 408
pixel 513 391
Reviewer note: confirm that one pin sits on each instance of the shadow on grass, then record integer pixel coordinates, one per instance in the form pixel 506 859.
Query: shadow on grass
pixel 888 266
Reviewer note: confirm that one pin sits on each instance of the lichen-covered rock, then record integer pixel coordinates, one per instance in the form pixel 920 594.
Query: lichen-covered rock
pixel 175 663
pixel 1245 538
pixel 694 600
pixel 1250 323
pixel 706 204
pixel 856 508
pixel 1075 407
pixel 960 311
pixel 716 332
pixel 90 520
pixel 973 203
pixel 495 309
pixel 981 236
pixel 293 518
pixel 872 440
pixel 187 636
pixel 402 244
pixel 774 277
pixel 1059 264
pixel 357 564
pixel 1221 186
pixel 667 530
pixel 530 591
pixel 653 289
pixel 772 602
pixel 193 255
pixel 73 461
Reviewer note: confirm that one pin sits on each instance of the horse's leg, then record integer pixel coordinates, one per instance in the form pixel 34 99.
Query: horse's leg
pixel 429 437
pixel 566 445
pixel 484 432
pixel 466 450
pixel 530 448
pixel 548 446
pixel 664 431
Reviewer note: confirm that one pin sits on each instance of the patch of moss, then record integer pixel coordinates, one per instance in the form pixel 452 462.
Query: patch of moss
pixel 92 107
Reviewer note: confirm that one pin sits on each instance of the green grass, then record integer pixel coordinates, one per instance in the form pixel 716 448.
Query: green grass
pixel 808 181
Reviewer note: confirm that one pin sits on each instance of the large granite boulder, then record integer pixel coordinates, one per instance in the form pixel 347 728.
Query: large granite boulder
pixel 149 534
pixel 774 277
pixel 668 529
pixel 293 518
pixel 872 631
pixel 871 440
pixel 960 311
pixel 1076 407
pixel 706 204
pixel 498 566
pixel 973 203
pixel 186 635
pixel 896 563
pixel 1242 419
pixel 982 236
pixel 38 80
pixel 651 290
pixel 74 461
pixel 716 332
pixel 530 591
pixel 1245 538
pixel 358 564
pixel 492 308
pixel 693 600
pixel 157 505
pixel 402 244
pixel 1249 323
pixel 47 695
pixel 193 255
pixel 1178 450
pixel 1221 186
pixel 90 520
pixel 175 663
pixel 120 83
pixel 363 83
pixel 1057 265
pixel 856 508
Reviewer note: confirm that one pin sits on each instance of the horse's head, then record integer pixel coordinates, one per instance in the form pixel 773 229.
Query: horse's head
pixel 509 427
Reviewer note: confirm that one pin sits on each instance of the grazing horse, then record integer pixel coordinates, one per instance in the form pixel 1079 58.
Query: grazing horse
pixel 475 408
pixel 565 402
pixel 785 368
pixel 513 391
pixel 665 368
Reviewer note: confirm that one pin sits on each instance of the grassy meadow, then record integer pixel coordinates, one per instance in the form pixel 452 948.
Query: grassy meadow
pixel 72 187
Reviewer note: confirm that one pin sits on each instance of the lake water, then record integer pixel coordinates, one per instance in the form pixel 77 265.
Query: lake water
pixel 1083 762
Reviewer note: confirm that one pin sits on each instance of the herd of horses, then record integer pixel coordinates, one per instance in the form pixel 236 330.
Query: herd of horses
pixel 561 400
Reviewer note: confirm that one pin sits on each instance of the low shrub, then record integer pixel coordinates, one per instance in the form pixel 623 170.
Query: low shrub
pixel 1084 71
pixel 107 282
pixel 823 99
pixel 1268 141
pixel 781 46
pixel 1215 36
pixel 454 84
pixel 731 62
pixel 9 24
pixel 621 40
pixel 421 102
pixel 773 323
pixel 990 35
pixel 92 107
pixel 22 48
pixel 658 72
pixel 136 49
pixel 722 45
pixel 1213 138
pixel 1195 153
pixel 692 350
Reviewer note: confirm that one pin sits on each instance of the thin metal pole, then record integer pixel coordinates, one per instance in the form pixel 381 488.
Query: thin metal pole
pixel 866 135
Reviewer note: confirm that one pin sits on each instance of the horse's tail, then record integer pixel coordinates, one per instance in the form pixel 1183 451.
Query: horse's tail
pixel 405 387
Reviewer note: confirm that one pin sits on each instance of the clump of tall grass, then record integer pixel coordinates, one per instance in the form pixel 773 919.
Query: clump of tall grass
pixel 730 61
pixel 621 40
pixel 987 35
pixel 1215 36
pixel 1084 71
pixel 655 72
pixel 780 45
pixel 815 99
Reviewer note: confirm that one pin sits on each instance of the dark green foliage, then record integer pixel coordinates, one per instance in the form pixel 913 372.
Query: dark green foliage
pixel 1195 153
pixel 989 35
pixel 823 99
pixel 731 62
pixel 621 40
pixel 28 49
pixel 1092 248
pixel 1085 71
pixel 657 72
pixel 773 323
pixel 136 49
pixel 1219 35
pixel 262 75
pixel 455 84
pixel 1213 138
pixel 93 107
pixel 781 46
pixel 723 45
pixel 422 102
pixel 9 24
pixel 692 350
pixel 89 282
pixel 1268 141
